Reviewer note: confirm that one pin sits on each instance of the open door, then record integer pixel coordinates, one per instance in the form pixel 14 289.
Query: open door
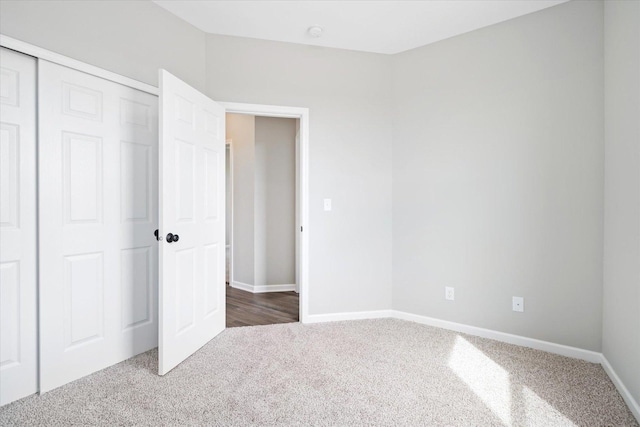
pixel 192 221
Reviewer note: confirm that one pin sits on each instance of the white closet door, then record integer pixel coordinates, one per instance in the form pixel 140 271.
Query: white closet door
pixel 192 206
pixel 18 320
pixel 98 212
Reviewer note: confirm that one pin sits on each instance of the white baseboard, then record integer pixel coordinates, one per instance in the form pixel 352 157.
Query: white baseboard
pixel 274 288
pixel 242 286
pixel 262 289
pixel 357 315
pixel 624 392
pixel 563 350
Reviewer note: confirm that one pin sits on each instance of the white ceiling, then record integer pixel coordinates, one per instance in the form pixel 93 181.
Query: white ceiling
pixel 370 26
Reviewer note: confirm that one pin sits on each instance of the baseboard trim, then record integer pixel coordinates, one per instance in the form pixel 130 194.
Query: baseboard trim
pixel 563 350
pixel 356 315
pixel 274 288
pixel 242 286
pixel 624 392
pixel 262 289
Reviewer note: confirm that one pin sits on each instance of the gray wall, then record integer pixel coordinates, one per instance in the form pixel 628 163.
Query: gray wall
pixel 350 150
pixel 275 158
pixel 621 309
pixel 264 199
pixel 498 176
pixel 241 130
pixel 259 212
pixel 132 38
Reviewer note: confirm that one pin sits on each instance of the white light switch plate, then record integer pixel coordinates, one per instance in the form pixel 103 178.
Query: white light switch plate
pixel 327 204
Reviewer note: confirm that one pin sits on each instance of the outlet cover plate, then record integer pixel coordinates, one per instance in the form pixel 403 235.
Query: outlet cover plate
pixel 449 293
pixel 518 304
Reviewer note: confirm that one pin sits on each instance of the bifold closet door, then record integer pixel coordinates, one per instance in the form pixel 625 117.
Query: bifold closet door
pixel 18 297
pixel 98 212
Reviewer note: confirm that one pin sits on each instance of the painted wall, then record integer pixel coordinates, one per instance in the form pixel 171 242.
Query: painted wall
pixel 621 308
pixel 259 213
pixel 241 130
pixel 132 38
pixel 276 199
pixel 348 94
pixel 498 176
pixel 264 221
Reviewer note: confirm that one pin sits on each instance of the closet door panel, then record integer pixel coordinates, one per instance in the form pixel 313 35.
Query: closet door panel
pixel 18 286
pixel 98 202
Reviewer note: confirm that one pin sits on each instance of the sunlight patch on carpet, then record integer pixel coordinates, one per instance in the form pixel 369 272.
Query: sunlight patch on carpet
pixel 539 410
pixel 485 377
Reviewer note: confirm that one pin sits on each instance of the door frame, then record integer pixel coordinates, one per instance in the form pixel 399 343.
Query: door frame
pixel 229 146
pixel 302 196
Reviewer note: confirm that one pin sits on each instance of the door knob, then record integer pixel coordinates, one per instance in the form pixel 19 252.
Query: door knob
pixel 172 237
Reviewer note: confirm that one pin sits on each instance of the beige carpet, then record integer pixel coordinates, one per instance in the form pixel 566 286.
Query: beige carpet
pixel 371 372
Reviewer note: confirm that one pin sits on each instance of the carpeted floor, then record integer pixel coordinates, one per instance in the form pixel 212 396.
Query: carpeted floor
pixel 370 372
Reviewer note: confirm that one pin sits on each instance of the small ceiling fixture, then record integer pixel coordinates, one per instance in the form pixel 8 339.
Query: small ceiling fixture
pixel 315 31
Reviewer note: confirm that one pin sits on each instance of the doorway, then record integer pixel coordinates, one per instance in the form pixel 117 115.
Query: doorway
pixel 263 218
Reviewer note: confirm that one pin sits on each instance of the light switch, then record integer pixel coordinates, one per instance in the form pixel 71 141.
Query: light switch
pixel 327 204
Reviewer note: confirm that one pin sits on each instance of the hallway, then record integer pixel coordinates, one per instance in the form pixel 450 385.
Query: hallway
pixel 249 309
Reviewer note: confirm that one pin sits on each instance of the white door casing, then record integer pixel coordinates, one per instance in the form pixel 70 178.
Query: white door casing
pixel 98 204
pixel 302 188
pixel 298 203
pixel 229 210
pixel 18 269
pixel 192 205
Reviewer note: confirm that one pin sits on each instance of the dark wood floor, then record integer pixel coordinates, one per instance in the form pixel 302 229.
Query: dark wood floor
pixel 249 309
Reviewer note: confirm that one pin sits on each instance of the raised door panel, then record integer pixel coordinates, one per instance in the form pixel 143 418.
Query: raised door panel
pixel 18 294
pixel 185 167
pixel 9 176
pixel 82 164
pixel 136 178
pixel 9 314
pixel 83 299
pixel 137 287
pixel 185 295
pixel 212 173
pixel 211 273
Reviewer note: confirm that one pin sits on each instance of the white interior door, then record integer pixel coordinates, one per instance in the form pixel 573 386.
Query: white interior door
pixel 192 208
pixel 98 211
pixel 18 299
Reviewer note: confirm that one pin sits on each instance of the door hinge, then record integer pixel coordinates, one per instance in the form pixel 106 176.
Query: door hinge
pixel 301 229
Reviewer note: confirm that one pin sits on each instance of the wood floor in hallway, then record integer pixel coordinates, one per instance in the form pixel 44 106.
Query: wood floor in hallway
pixel 249 309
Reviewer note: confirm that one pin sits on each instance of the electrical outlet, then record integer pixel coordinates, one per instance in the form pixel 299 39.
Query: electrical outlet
pixel 327 204
pixel 518 304
pixel 449 293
